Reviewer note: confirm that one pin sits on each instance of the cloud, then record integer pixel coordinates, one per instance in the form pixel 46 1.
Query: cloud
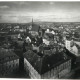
pixel 20 3
pixel 25 17
pixel 4 7
pixel 14 19
pixel 51 2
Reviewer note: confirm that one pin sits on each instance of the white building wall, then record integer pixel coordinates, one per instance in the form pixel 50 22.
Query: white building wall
pixel 67 44
pixel 32 72
pixel 74 50
pixel 57 72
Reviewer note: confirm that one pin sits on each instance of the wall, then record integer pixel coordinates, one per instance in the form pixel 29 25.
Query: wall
pixel 32 72
pixel 9 67
pixel 55 73
pixel 58 71
pixel 66 68
pixel 67 44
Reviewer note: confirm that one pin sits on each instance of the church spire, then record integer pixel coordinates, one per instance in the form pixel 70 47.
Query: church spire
pixel 32 22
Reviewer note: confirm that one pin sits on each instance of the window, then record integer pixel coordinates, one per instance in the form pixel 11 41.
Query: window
pixel 59 68
pixel 6 72
pixel 6 58
pixel 52 72
pixel 9 66
pixel 9 57
pixel 13 65
pixel 0 60
pixel 66 64
pixel 13 55
pixel 42 76
pixel 14 61
pixel 16 64
pixel 62 67
pixel 6 67
pixel 69 62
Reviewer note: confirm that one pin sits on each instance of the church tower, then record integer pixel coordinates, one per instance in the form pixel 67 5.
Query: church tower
pixel 32 22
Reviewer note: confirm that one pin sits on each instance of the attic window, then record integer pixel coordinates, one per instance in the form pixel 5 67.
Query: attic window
pixel 48 65
pixel 64 58
pixel 9 57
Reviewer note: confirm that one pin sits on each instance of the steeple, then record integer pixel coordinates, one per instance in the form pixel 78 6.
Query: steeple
pixel 32 22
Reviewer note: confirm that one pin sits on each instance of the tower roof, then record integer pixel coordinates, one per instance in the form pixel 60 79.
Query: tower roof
pixel 35 27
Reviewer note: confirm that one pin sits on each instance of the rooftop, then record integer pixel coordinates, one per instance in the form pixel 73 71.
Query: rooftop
pixel 35 27
pixel 7 55
pixel 43 63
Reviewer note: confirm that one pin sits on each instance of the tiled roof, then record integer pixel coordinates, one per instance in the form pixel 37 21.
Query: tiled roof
pixel 44 63
pixel 7 55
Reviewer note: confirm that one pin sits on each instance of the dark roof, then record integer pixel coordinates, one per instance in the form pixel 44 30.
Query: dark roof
pixel 78 48
pixel 44 63
pixel 35 27
pixel 50 35
pixel 7 55
pixel 73 56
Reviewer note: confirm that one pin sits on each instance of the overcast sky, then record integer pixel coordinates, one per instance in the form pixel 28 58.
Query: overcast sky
pixel 39 11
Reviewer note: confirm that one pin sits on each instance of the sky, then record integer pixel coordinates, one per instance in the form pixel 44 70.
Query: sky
pixel 24 11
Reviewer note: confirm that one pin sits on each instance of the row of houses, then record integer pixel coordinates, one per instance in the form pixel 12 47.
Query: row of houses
pixel 9 62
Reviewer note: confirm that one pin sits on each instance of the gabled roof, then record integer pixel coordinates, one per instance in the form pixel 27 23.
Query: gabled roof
pixel 44 63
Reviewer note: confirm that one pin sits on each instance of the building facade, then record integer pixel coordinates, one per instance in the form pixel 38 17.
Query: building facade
pixel 39 68
pixel 9 63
